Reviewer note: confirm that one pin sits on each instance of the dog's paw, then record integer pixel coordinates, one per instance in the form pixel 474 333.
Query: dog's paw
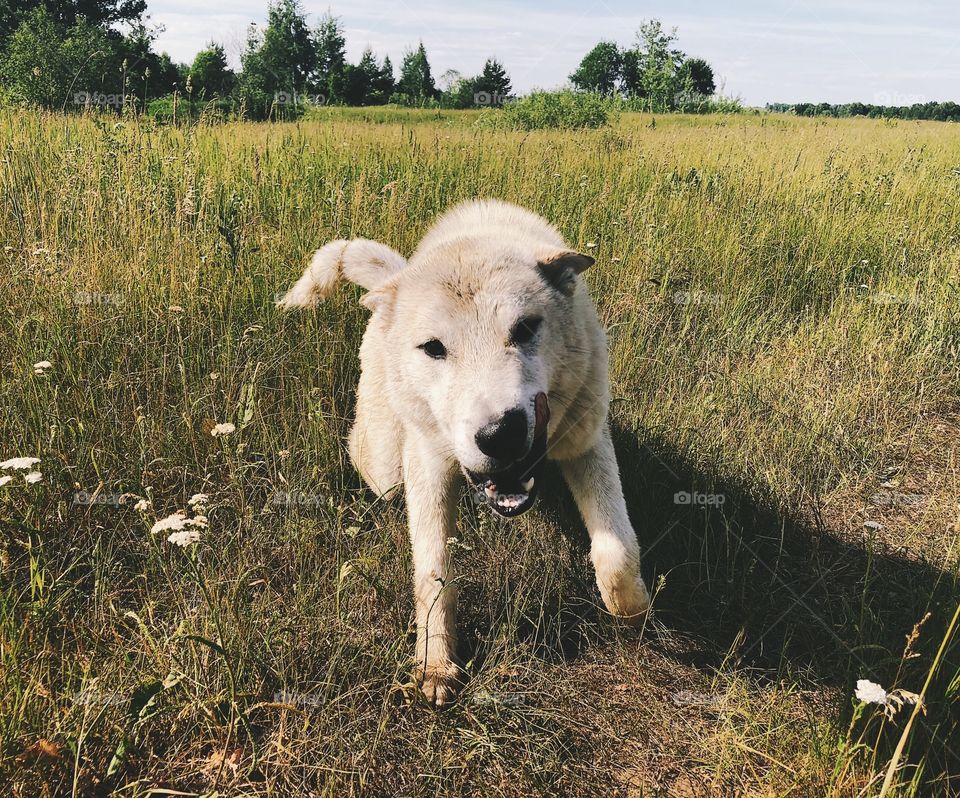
pixel 439 684
pixel 627 597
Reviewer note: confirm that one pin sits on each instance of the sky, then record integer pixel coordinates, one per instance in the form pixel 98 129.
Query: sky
pixel 876 51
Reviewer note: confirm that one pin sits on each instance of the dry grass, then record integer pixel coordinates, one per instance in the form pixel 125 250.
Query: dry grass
pixel 783 303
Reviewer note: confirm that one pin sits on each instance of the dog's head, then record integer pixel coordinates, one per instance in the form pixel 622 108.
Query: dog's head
pixel 477 333
pixel 477 337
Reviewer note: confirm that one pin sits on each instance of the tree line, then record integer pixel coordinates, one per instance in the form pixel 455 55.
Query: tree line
pixel 70 55
pixel 936 111
pixel 66 53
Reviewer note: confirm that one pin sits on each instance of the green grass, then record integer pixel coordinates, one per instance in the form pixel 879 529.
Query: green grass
pixel 783 304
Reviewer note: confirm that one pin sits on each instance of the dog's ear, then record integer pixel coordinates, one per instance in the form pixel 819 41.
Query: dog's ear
pixel 366 263
pixel 561 267
pixel 381 297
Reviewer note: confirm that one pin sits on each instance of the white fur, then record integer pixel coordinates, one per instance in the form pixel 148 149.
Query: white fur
pixel 481 267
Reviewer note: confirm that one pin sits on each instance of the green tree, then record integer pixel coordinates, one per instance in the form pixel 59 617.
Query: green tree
pixel 209 74
pixel 494 82
pixel 146 74
pixel 384 84
pixel 600 70
pixel 696 75
pixel 46 63
pixel 659 64
pixel 331 50
pixel 416 82
pixel 460 93
pixel 279 65
pixel 631 69
pixel 67 13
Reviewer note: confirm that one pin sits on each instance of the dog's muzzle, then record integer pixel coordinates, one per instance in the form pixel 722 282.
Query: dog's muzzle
pixel 513 490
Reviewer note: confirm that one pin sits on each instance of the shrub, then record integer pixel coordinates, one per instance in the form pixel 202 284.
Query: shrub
pixel 565 110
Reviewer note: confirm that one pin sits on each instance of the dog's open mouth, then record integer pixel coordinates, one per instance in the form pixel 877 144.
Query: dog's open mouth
pixel 513 491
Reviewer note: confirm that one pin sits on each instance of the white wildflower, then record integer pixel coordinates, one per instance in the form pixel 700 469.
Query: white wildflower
pixel 5 480
pixel 198 499
pixel 176 521
pixel 32 477
pixel 870 692
pixel 223 429
pixel 42 366
pixel 175 309
pixel 142 506
pixel 184 537
pixel 892 702
pixel 19 463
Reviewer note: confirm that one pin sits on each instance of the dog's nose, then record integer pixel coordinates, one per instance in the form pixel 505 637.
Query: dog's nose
pixel 505 438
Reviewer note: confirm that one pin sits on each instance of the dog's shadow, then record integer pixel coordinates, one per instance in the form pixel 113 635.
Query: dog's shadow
pixel 750 586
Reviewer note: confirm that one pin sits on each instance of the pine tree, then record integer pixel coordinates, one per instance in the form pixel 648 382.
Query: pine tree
pixel 493 81
pixel 416 82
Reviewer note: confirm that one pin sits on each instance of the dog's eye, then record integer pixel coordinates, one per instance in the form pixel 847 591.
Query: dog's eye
pixel 524 331
pixel 433 348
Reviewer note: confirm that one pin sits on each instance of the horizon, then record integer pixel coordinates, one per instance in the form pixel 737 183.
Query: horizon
pixel 810 52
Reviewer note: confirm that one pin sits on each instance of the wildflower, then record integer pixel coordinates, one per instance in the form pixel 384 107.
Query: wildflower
pixel 142 506
pixel 198 499
pixel 32 477
pixel 184 537
pixel 892 702
pixel 175 309
pixel 223 429
pixel 5 480
pixel 41 366
pixel 591 245
pixel 19 463
pixel 176 521
pixel 870 692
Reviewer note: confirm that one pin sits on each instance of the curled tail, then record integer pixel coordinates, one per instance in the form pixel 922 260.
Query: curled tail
pixel 361 261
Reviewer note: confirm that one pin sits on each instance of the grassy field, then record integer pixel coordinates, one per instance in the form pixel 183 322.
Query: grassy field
pixel 783 304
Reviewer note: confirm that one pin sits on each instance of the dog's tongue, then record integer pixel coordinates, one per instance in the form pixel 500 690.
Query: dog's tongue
pixel 542 411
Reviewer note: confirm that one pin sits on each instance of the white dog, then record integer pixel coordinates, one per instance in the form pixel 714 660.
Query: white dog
pixel 483 356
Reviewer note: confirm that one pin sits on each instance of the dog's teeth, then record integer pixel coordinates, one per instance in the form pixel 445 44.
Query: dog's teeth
pixel 528 485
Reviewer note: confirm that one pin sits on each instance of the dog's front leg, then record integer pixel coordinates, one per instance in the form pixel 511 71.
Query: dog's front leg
pixel 594 481
pixel 429 483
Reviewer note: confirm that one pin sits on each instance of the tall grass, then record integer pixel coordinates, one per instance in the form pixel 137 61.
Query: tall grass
pixel 781 297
